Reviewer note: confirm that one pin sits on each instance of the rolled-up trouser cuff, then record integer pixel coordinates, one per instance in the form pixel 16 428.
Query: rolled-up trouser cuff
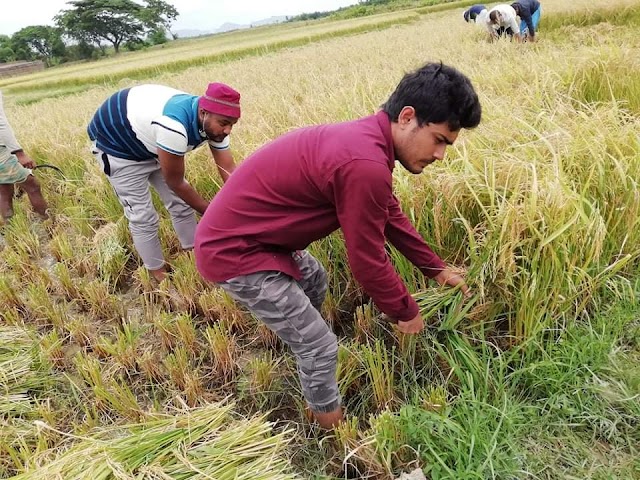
pixel 330 407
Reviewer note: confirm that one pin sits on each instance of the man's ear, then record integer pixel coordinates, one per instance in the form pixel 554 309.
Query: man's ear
pixel 406 116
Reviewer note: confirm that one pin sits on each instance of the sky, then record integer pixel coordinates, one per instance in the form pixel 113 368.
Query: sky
pixel 194 14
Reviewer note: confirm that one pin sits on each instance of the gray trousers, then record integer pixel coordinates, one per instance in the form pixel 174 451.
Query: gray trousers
pixel 130 180
pixel 291 309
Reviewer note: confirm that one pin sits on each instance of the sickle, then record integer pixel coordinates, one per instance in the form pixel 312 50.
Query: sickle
pixel 46 165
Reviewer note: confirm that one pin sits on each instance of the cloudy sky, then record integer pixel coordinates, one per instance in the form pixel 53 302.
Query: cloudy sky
pixel 198 14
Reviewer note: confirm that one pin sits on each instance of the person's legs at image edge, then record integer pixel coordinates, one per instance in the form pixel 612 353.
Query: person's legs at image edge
pixel 32 187
pixel 6 201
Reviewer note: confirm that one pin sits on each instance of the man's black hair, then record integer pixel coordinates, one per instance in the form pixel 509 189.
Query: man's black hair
pixel 438 93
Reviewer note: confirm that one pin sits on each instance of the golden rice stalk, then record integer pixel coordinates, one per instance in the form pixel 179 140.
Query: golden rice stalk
pixel 100 302
pixel 186 332
pixel 150 364
pixel 223 350
pixel 379 364
pixel 217 306
pixel 110 255
pixel 186 282
pixel 207 442
pixel 365 323
pixel 359 457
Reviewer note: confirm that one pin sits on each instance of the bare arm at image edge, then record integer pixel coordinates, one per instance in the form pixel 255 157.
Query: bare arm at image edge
pixel 7 137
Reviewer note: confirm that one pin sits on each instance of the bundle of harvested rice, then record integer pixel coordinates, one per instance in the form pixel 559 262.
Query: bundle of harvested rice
pixel 204 443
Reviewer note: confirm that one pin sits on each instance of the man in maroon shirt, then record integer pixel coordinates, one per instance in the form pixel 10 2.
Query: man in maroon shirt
pixel 309 182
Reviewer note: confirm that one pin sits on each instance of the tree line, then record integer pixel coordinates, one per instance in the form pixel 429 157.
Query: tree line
pixel 88 28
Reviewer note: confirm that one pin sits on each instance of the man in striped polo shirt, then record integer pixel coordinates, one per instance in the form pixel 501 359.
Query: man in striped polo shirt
pixel 140 136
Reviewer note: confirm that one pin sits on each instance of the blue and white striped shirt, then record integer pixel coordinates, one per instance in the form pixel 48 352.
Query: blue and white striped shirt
pixel 135 122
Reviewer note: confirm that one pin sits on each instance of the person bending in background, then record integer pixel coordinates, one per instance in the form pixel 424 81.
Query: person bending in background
pixel 477 13
pixel 502 21
pixel 529 12
pixel 307 183
pixel 140 136
pixel 15 169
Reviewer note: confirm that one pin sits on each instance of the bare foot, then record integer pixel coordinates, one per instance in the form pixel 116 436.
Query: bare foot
pixel 159 274
pixel 329 420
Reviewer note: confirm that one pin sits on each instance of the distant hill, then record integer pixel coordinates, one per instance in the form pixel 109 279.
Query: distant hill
pixel 191 32
pixel 227 27
pixel 270 20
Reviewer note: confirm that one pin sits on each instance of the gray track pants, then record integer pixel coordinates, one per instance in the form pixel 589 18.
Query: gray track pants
pixel 130 180
pixel 292 310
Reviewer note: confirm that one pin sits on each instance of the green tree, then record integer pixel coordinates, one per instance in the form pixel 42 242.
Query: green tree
pixel 6 54
pixel 6 51
pixel 158 14
pixel 114 21
pixel 98 21
pixel 21 50
pixel 82 51
pixel 158 36
pixel 40 41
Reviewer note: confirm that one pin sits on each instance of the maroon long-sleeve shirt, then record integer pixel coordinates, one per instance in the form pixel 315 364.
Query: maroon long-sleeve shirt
pixel 300 188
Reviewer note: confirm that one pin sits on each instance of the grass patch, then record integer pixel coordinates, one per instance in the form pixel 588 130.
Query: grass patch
pixel 610 80
pixel 434 7
pixel 26 394
pixel 626 16
pixel 563 407
pixel 73 84
pixel 420 6
pixel 51 93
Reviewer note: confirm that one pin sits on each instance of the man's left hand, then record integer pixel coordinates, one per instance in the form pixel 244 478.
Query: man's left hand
pixel 453 279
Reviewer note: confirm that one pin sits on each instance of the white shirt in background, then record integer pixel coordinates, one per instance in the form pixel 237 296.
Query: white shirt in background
pixel 509 19
pixel 482 18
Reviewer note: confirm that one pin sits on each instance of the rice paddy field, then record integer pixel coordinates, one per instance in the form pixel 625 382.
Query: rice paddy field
pixel 106 375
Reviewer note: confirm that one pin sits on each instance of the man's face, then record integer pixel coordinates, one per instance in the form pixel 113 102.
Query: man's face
pixel 416 147
pixel 215 126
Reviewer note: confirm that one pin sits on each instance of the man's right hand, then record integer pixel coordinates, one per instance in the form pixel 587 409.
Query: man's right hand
pixel 172 167
pixel 25 160
pixel 413 326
